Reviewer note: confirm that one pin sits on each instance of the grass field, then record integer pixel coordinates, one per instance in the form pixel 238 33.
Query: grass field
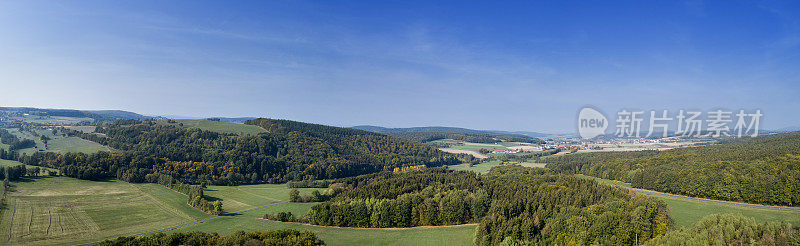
pixel 222 127
pixel 686 212
pixel 58 143
pixel 236 198
pixel 486 166
pixel 478 147
pixel 60 210
pixel 9 163
pixel 249 221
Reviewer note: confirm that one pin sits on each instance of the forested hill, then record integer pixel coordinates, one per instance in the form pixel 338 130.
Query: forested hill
pixel 433 133
pixel 289 150
pixel 764 170
pixel 284 126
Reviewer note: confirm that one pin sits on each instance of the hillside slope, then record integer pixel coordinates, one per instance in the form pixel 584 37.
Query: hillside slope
pixel 764 170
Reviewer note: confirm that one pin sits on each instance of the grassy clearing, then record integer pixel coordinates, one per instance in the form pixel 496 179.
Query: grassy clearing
pixel 75 144
pixel 486 166
pixel 222 127
pixel 686 212
pixel 60 210
pixel 478 168
pixel 236 198
pixel 10 163
pixel 532 164
pixel 52 120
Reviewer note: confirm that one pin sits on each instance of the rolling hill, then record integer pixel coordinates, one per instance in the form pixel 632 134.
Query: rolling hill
pixel 288 150
pixel 432 133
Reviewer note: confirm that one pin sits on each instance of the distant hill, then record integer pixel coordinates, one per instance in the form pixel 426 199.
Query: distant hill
pixel 433 133
pixel 379 129
pixel 526 133
pixel 789 129
pixel 98 115
pixel 118 114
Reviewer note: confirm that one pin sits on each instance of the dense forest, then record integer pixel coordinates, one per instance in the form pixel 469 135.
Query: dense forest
pixel 763 170
pixel 512 204
pixel 404 199
pixel 288 151
pixel 268 237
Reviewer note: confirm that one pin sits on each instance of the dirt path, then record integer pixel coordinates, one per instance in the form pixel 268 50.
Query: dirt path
pixel 461 151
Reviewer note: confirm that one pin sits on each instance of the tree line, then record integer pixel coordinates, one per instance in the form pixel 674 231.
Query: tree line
pixel 309 184
pixel 268 237
pixel 763 170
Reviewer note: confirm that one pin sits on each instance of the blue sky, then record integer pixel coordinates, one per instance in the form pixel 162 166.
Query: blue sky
pixel 512 66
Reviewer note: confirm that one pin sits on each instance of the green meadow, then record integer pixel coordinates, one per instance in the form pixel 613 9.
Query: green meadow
pixel 57 143
pixel 60 210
